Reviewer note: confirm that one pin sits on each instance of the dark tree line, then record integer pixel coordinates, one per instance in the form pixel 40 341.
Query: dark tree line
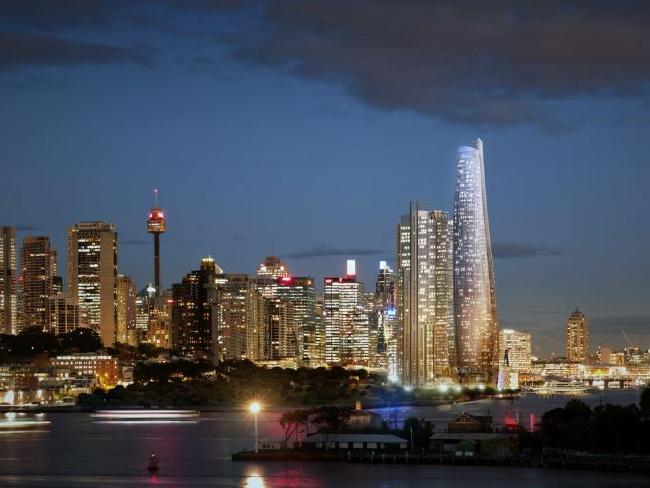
pixel 32 342
pixel 603 429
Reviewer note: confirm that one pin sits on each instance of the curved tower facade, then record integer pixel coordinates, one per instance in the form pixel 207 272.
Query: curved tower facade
pixel 474 294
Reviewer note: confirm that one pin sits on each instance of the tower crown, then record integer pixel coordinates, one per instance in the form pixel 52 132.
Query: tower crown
pixel 156 223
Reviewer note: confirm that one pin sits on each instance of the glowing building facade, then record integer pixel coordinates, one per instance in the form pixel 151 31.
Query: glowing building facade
pixel 303 340
pixel 126 309
pixel 577 337
pixel 474 294
pixel 38 265
pixel 192 312
pixel 8 284
pixel 272 268
pixel 64 313
pixel 346 320
pixel 516 347
pixel 388 331
pixel 238 318
pixel 425 296
pixel 92 276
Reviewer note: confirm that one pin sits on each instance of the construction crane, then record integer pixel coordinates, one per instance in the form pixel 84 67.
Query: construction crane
pixel 627 339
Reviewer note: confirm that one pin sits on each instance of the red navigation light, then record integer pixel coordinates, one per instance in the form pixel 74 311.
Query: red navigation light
pixel 328 280
pixel 169 300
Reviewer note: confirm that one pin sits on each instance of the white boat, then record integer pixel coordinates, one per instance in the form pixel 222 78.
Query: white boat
pixel 13 422
pixel 146 414
pixel 561 388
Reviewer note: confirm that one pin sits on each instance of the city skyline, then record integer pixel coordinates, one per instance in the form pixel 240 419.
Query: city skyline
pixel 315 155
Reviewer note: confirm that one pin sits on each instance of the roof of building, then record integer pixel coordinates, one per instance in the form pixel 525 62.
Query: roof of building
pixel 469 436
pixel 385 438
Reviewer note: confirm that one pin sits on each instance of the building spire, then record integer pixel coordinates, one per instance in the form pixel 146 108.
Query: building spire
pixel 155 197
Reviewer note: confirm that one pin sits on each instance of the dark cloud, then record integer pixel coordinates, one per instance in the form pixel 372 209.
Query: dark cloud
pixel 512 250
pixel 48 15
pixel 324 251
pixel 18 49
pixel 476 61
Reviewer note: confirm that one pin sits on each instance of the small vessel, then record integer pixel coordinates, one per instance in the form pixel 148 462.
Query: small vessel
pixel 561 388
pixel 146 414
pixel 13 422
pixel 153 463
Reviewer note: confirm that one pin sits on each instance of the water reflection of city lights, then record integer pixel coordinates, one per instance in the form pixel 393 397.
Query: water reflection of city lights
pixel 255 481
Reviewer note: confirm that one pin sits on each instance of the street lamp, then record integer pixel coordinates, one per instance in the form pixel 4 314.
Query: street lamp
pixel 255 408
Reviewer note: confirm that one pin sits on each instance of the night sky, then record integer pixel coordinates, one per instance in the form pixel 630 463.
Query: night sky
pixel 308 127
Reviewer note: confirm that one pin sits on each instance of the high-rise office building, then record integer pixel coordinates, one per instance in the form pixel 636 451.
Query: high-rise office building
pixel 516 347
pixel 346 320
pixel 425 295
pixel 8 286
pixel 239 317
pixel 38 282
pixel 192 313
pixel 474 294
pixel 389 334
pixel 273 268
pixel 64 313
pixel 92 276
pixel 303 339
pixel 126 309
pixel 144 303
pixel 577 337
pixel 159 327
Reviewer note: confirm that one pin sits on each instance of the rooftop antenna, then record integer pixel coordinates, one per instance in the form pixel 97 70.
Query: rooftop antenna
pixel 155 197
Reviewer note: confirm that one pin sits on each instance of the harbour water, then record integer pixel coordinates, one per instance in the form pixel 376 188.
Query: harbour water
pixel 77 450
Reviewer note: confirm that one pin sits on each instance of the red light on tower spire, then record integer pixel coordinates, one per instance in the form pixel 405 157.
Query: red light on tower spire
pixel 156 225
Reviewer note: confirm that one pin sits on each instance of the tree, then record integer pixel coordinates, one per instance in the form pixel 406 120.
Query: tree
pixel 292 422
pixel 645 400
pixel 81 339
pixel 32 341
pixel 418 432
pixel 330 420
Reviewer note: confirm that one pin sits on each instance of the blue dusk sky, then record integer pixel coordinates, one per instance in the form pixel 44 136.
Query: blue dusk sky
pixel 307 127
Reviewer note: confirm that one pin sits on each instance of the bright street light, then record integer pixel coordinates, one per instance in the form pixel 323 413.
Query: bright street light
pixel 254 408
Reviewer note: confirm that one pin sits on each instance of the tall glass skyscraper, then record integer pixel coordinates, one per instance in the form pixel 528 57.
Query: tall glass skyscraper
pixel 474 294
pixel 424 296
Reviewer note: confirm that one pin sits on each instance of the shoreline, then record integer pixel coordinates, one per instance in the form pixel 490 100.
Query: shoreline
pixel 588 462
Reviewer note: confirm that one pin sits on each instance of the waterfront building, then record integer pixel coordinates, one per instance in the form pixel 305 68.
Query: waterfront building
pixel 239 314
pixel 102 367
pixel 272 268
pixel 346 320
pixel 424 292
pixel 156 225
pixel 92 276
pixel 38 282
pixel 8 288
pixel 192 313
pixel 64 313
pixel 474 289
pixel 577 337
pixel 516 346
pixel 126 309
